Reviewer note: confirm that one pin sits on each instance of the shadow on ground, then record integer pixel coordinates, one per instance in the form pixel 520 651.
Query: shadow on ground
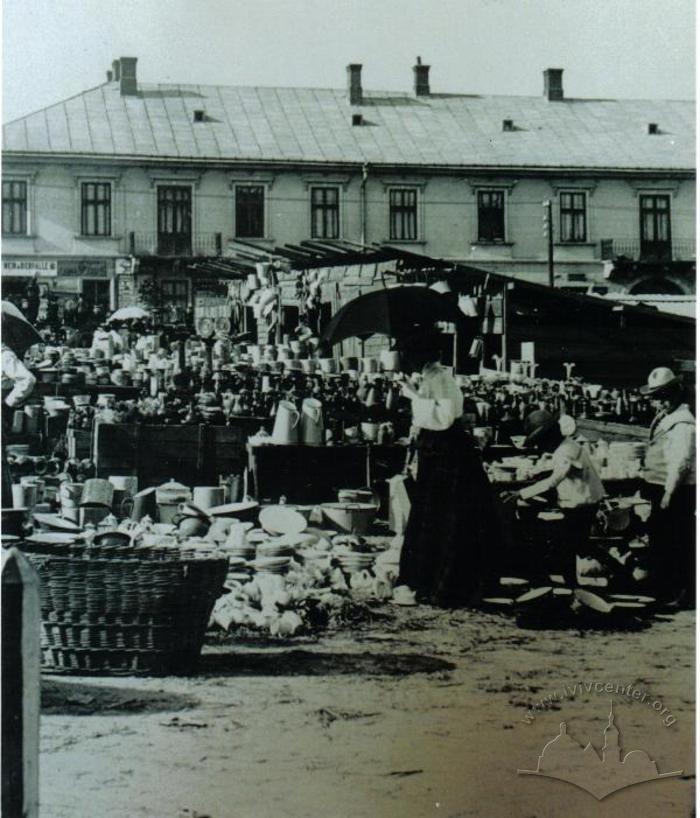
pixel 312 663
pixel 77 698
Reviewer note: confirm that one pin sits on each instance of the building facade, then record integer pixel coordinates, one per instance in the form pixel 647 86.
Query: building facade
pixel 130 180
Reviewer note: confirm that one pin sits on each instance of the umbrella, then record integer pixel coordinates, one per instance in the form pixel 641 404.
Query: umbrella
pixel 17 333
pixel 395 311
pixel 130 314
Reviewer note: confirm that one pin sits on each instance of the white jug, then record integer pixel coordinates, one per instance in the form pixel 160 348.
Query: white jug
pixel 328 365
pixel 207 497
pixel 286 429
pixel 369 364
pixel 370 431
pixel 312 422
pixel 390 360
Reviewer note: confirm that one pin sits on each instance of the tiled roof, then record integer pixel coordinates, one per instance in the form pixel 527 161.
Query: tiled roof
pixel 314 125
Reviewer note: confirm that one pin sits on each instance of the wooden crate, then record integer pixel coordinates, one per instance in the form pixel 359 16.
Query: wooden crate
pixel 193 455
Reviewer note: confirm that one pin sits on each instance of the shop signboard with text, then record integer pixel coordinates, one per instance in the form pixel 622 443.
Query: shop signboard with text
pixel 29 268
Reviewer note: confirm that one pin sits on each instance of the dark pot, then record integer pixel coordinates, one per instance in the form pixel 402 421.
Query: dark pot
pixel 13 521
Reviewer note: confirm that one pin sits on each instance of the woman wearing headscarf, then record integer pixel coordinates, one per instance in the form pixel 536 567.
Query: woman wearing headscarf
pixel 452 523
pixel 574 479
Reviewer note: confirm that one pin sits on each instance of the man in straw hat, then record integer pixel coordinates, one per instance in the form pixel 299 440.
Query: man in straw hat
pixel 669 484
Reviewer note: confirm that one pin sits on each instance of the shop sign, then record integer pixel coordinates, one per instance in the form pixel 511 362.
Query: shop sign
pixel 84 268
pixel 29 267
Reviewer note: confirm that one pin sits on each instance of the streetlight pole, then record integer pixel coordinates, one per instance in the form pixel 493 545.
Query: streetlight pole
pixel 548 232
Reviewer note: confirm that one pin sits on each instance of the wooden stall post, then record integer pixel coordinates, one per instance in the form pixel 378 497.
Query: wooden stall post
pixel 21 658
pixel 181 359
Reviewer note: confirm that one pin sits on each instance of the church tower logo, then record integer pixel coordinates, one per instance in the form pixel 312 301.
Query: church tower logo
pixel 564 759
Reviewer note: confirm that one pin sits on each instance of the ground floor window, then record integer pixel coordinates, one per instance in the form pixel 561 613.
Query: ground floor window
pixel 175 294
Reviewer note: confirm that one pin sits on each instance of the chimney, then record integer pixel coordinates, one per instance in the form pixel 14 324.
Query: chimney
pixel 508 125
pixel 198 115
pixel 653 128
pixel 421 81
pixel 128 85
pixel 553 87
pixel 355 83
pixel 115 69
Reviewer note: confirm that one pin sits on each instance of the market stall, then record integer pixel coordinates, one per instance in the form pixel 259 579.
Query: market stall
pixel 282 457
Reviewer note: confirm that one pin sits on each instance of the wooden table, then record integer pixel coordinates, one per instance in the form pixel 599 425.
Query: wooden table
pixel 193 455
pixel 314 474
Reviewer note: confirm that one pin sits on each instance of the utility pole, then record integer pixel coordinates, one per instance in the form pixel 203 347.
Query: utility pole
pixel 548 234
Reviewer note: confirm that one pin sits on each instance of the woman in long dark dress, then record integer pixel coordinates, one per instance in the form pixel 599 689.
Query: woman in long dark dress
pixel 453 524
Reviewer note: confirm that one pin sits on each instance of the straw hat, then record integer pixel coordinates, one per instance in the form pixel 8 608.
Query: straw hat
pixel 659 380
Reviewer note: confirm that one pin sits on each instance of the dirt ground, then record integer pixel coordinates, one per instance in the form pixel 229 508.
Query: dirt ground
pixel 419 713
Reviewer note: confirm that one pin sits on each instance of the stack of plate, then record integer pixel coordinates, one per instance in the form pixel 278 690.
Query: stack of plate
pixel 17 450
pixel 271 565
pixel 352 561
pixel 275 548
pixel 244 552
pixel 319 559
pixel 237 570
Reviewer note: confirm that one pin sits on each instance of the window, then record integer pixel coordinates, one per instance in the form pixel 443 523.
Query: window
pixel 572 216
pixel 655 226
pixel 491 207
pixel 176 295
pixel 174 220
pixel 96 209
pixel 14 208
pixel 403 214
pixel 325 213
pixel 96 293
pixel 250 211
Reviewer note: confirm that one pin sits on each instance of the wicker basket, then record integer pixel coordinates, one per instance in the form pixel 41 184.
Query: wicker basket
pixel 126 610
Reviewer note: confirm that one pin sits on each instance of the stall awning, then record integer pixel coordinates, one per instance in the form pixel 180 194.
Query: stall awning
pixel 221 269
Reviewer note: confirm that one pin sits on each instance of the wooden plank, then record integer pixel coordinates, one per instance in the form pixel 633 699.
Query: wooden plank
pixel 597 429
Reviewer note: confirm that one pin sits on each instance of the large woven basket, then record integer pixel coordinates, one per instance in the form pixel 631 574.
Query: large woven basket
pixel 126 611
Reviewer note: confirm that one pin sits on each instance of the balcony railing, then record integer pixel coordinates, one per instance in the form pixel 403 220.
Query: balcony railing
pixel 169 244
pixel 676 250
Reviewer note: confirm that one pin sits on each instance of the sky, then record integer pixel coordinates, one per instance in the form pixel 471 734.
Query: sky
pixel 643 49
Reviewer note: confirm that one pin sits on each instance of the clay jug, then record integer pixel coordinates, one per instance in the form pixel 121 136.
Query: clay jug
pixel 286 428
pixel 312 422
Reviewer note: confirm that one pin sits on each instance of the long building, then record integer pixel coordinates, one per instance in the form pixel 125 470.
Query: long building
pixel 130 180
